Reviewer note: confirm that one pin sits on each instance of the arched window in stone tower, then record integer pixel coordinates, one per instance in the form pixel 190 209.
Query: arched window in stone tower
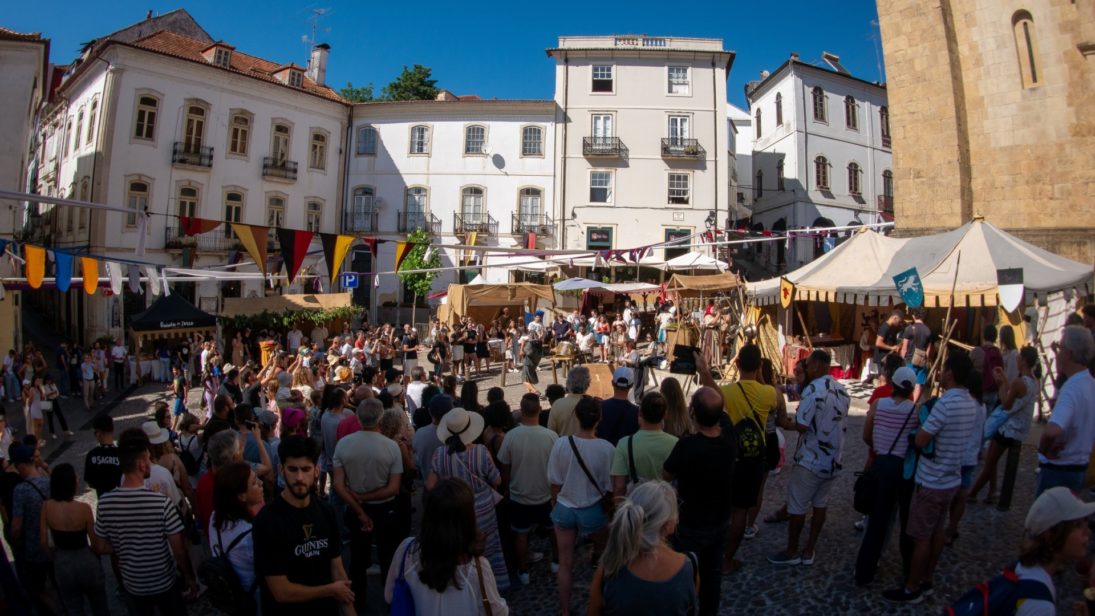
pixel 1026 48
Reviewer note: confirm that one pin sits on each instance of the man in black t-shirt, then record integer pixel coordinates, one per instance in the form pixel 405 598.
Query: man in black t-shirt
pixel 297 543
pixel 102 468
pixel 888 339
pixel 231 386
pixel 916 341
pixel 703 464
pixel 409 347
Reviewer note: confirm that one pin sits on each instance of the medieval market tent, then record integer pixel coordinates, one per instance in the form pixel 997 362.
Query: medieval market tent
pixel 169 318
pixel 484 302
pixel 235 306
pixel 685 285
pixel 694 261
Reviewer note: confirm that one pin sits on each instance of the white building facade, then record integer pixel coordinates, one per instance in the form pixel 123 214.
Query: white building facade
pixel 740 126
pixel 821 156
pixel 460 168
pixel 642 133
pixel 178 126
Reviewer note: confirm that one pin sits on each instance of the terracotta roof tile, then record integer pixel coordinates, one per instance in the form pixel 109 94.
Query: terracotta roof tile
pixel 12 35
pixel 171 44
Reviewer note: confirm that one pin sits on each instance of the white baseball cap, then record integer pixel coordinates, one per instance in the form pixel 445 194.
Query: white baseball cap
pixel 1054 506
pixel 623 377
pixel 905 378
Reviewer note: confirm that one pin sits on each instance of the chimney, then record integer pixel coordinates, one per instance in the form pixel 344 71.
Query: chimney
pixel 794 56
pixel 317 64
pixel 764 75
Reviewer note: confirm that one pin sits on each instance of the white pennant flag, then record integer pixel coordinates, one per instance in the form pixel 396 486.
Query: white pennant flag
pixel 426 256
pixel 134 274
pixel 153 283
pixel 376 280
pixel 163 279
pixel 114 271
pixel 142 227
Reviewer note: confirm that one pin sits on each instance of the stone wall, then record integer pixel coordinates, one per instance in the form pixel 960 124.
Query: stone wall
pixel 969 139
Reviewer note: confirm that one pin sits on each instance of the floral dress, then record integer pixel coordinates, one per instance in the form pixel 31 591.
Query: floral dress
pixel 475 468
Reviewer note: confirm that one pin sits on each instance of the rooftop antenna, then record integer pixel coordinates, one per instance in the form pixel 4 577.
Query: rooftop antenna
pixel 317 15
pixel 876 36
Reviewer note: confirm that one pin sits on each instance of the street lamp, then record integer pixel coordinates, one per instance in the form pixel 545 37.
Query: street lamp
pixel 710 221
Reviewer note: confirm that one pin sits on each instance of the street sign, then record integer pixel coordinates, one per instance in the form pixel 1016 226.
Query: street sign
pixel 349 280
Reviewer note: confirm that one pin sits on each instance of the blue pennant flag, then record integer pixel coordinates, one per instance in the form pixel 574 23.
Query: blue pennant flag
pixel 909 286
pixel 63 276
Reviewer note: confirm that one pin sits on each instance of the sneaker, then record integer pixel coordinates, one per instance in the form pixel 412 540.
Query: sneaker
pixel 751 531
pixel 53 436
pixel 806 562
pixel 523 576
pixel 861 523
pixel 535 557
pixel 69 433
pixel 554 567
pixel 903 595
pixel 783 558
pixel 927 589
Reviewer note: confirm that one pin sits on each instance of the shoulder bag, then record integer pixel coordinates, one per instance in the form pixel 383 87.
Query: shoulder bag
pixel 607 501
pixel 865 489
pixel 402 599
pixel 482 587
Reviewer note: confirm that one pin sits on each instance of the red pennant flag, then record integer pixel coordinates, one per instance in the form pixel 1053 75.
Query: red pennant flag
pixel 191 225
pixel 371 243
pixel 294 246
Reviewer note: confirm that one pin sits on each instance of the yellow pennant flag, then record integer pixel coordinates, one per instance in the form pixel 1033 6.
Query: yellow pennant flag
pixel 36 264
pixel 786 292
pixel 334 251
pixel 402 249
pixel 254 239
pixel 470 241
pixel 90 269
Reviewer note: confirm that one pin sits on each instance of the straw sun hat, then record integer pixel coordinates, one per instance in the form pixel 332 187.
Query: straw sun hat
pixel 461 423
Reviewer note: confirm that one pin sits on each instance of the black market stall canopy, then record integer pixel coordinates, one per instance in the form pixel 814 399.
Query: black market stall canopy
pixel 171 316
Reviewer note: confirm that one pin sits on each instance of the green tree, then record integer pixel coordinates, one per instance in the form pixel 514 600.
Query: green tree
pixel 357 95
pixel 412 85
pixel 419 282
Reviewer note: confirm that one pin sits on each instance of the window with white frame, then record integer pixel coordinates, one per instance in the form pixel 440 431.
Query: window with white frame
pixel 851 113
pixel 239 134
pixel 821 173
pixel 145 122
pixel 79 131
pixel 471 204
pixel 366 141
pixel 821 111
pixel 779 109
pixel 279 144
pixel 313 215
pixel 600 187
pixel 275 211
pixel 529 207
pixel 92 117
pixel 296 79
pixel 854 175
pixel 233 211
pixel 532 141
pixel 679 130
pixel 194 129
pixel 136 201
pixel 415 202
pixel 678 80
pixel 70 136
pixel 887 184
pixel 420 139
pixel 884 125
pixel 679 188
pixel 475 137
pixel 317 158
pixel 188 201
pixel 222 57
pixel 602 78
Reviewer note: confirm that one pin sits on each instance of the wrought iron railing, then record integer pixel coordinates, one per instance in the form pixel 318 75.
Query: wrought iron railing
pixel 410 221
pixel 192 154
pixel 604 146
pixel 676 147
pixel 274 168
pixel 474 221
pixel 540 224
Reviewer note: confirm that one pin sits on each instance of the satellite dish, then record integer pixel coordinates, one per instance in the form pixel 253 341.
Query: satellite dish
pixel 486 149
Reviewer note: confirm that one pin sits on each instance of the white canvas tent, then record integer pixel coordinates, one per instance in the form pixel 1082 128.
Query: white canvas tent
pixel 695 260
pixel 861 270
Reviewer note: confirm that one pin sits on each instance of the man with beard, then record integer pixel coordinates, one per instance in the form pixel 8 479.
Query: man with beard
pixel 142 529
pixel 297 543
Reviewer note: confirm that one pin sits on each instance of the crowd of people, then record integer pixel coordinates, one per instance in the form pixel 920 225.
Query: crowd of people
pixel 306 463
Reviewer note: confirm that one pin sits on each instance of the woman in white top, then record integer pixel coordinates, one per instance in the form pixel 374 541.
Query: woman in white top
pixel 32 407
pixel 443 568
pixel 1017 397
pixel 237 498
pixel 1010 352
pixel 576 496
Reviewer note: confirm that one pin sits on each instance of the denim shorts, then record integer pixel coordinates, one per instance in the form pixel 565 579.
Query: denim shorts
pixel 586 520
pixel 921 373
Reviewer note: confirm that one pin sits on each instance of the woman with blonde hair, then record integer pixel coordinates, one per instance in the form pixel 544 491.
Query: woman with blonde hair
pixel 640 573
pixel 676 419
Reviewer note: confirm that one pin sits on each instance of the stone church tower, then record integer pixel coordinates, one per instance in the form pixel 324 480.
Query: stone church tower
pixel 992 113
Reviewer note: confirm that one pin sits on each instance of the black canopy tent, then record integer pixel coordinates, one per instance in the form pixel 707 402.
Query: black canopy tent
pixel 170 316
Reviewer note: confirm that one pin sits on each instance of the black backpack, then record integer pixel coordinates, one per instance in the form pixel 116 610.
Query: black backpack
pixel 191 464
pixel 224 589
pixel 750 433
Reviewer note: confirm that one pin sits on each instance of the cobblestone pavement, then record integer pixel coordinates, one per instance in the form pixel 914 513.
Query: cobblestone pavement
pixel 989 539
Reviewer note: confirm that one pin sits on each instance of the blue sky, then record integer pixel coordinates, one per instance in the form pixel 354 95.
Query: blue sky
pixel 494 49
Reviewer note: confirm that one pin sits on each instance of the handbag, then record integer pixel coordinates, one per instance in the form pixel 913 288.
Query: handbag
pixel 402 599
pixel 482 588
pixel 866 483
pixel 607 500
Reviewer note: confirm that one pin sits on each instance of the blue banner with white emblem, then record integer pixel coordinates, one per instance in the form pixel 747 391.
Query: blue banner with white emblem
pixel 909 286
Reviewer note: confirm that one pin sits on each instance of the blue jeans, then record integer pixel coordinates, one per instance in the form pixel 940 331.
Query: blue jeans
pixel 165 369
pixel 11 386
pixel 1050 476
pixel 707 544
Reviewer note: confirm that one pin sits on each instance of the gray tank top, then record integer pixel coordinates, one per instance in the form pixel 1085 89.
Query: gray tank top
pixel 626 594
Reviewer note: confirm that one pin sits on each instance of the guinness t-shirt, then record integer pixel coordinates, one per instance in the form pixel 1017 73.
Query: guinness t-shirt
pixel 298 543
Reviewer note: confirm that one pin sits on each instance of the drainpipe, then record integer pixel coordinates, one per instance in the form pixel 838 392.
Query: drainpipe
pixel 805 173
pixel 563 187
pixel 715 111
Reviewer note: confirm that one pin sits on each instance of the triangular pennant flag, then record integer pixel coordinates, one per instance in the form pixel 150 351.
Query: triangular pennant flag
pixel 153 279
pixel 89 267
pixel 134 274
pixel 376 280
pixel 114 271
pixel 63 275
pixel 371 243
pixel 531 245
pixel 193 226
pixel 334 251
pixel 163 280
pixel 254 239
pixel 427 254
pixel 36 264
pixel 402 249
pixel 294 246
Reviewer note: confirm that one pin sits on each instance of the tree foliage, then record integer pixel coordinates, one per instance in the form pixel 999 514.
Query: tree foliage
pixel 357 95
pixel 412 84
pixel 420 283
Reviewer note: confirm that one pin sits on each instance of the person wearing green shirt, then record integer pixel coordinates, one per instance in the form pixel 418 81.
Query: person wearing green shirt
pixel 640 457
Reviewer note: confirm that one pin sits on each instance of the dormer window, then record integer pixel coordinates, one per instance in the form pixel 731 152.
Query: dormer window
pixel 291 75
pixel 296 78
pixel 222 57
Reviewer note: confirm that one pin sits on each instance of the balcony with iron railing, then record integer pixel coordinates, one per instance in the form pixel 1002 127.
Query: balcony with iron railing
pixel 279 169
pixel 411 221
pixel 361 216
pixel 210 241
pixel 540 224
pixel 479 222
pixel 192 155
pixel 677 147
pixel 609 147
pixel 886 141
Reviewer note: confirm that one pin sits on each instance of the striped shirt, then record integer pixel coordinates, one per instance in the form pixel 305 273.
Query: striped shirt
pixel 137 523
pixel 950 423
pixel 892 425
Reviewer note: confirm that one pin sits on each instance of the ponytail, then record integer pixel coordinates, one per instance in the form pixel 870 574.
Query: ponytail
pixel 637 526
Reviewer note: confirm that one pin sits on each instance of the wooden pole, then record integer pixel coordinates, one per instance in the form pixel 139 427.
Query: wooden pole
pixel 805 331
